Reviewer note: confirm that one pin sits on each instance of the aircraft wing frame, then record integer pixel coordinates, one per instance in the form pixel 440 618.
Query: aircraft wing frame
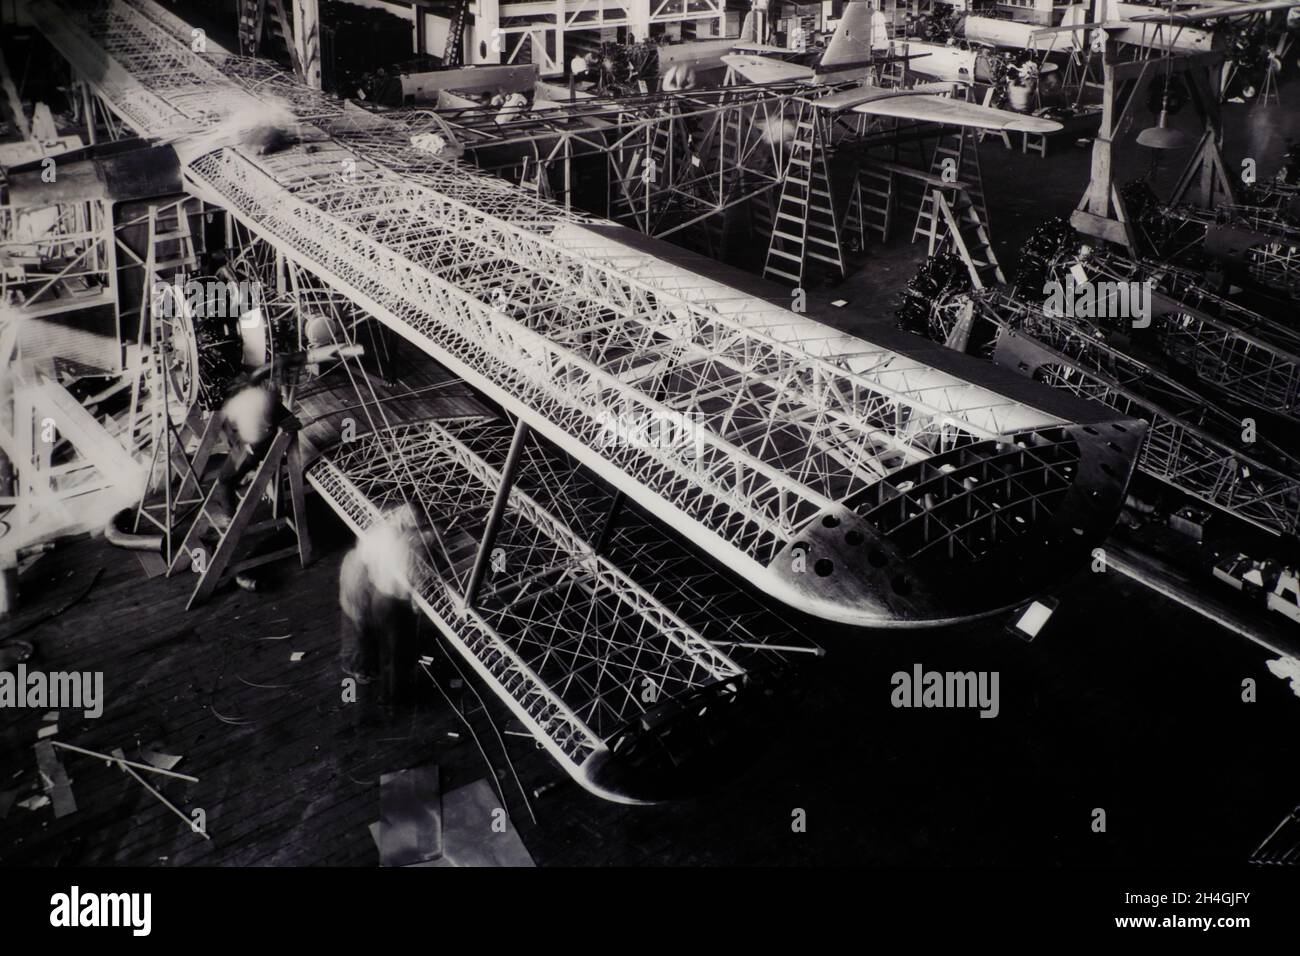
pixel 930 107
pixel 566 326
pixel 1215 11
pixel 765 69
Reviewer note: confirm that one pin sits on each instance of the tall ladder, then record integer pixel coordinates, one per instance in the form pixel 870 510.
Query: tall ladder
pixel 453 53
pixel 645 173
pixel 731 147
pixel 959 226
pixel 170 252
pixel 250 26
pixel 892 74
pixel 258 18
pixel 958 151
pixel 661 145
pixel 871 203
pixel 170 249
pixel 806 228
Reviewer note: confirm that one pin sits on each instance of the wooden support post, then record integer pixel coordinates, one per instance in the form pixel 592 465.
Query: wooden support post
pixel 494 516
pixel 1126 87
pixel 298 501
pixel 419 11
pixel 88 106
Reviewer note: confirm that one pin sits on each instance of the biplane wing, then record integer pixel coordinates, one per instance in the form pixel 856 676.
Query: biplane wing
pixel 949 64
pixel 754 68
pixel 1013 34
pixel 1201 13
pixel 644 684
pixel 852 479
pixel 930 106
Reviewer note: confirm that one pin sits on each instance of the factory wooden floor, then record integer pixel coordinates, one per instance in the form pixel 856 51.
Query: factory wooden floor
pixel 289 774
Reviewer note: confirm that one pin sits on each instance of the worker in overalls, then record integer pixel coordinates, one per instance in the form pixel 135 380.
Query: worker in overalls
pixel 376 595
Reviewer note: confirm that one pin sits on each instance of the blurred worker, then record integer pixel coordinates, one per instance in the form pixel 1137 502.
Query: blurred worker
pixel 252 411
pixel 249 415
pixel 375 594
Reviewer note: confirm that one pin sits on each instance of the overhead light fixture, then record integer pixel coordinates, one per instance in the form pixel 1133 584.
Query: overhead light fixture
pixel 1161 136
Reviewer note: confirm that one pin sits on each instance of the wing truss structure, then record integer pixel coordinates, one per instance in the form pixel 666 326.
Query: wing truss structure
pixel 844 478
pixel 615 673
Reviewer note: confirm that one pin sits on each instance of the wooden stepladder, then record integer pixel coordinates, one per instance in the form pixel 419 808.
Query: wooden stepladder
pixel 953 213
pixel 958 225
pixel 955 161
pixel 278 476
pixel 806 229
pixel 872 203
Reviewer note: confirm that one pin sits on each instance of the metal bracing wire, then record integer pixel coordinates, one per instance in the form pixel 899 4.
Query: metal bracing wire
pixel 446 236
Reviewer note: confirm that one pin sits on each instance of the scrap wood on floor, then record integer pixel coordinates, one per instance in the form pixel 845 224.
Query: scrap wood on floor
pixel 420 826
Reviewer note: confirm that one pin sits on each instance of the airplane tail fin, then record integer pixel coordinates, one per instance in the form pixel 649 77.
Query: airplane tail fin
pixel 860 30
pixel 747 29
